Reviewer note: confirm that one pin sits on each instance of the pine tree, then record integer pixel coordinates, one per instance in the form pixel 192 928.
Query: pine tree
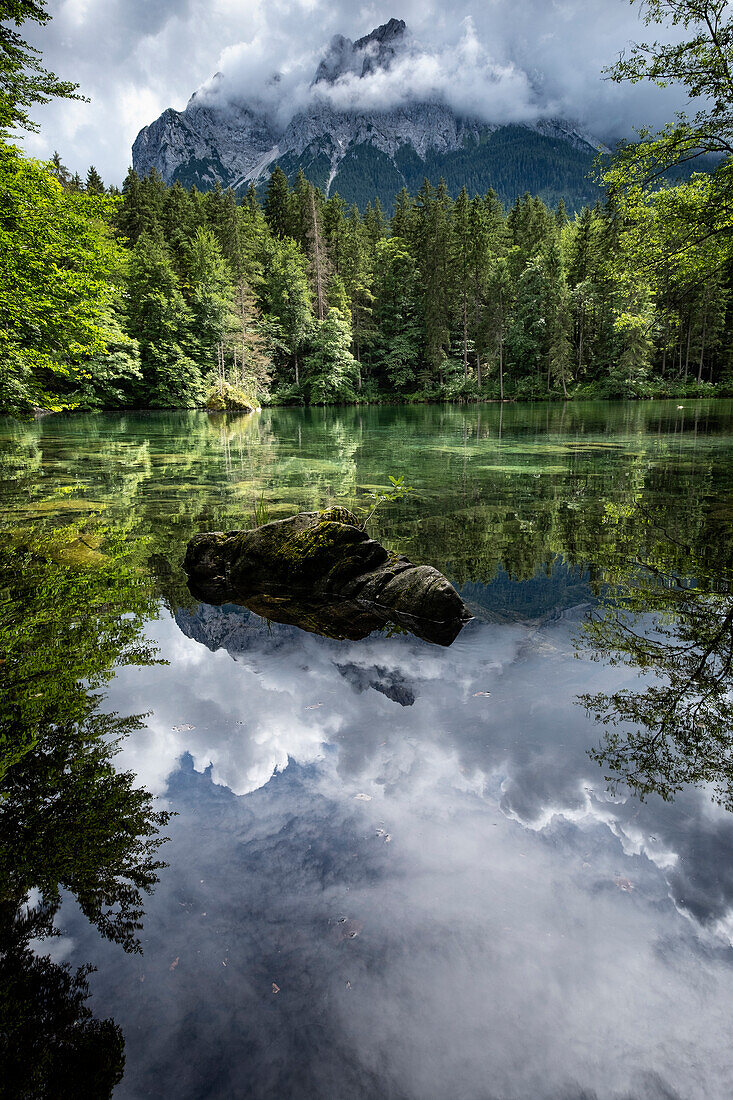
pixel 336 296
pixel 300 210
pixel 403 213
pixel 209 293
pixel 463 267
pixel 179 221
pixel 526 342
pixel 334 223
pixel 356 267
pixel 94 182
pixel 141 210
pixel 216 203
pixel 278 211
pixel 556 314
pixel 375 222
pixel 251 200
pixel 398 333
pixel 59 169
pixel 286 298
pixel 317 251
pixel 431 237
pixel 499 295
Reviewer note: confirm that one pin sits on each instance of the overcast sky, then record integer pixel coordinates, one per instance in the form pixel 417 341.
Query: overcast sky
pixel 505 58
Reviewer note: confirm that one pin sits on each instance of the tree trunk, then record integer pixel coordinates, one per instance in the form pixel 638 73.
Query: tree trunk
pixel 702 339
pixel 317 258
pixel 478 341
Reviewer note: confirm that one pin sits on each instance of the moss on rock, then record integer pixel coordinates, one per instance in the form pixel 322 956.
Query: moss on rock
pixel 227 398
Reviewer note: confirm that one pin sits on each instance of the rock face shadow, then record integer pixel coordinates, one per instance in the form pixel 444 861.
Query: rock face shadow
pixel 321 572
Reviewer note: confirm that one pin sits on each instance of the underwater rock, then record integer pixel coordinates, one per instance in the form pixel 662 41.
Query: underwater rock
pixel 320 571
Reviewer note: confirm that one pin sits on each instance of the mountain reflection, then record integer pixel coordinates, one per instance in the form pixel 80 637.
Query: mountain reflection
pixel 668 614
pixel 73 607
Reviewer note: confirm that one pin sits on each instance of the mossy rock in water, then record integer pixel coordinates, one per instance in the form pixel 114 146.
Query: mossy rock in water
pixel 227 398
pixel 313 560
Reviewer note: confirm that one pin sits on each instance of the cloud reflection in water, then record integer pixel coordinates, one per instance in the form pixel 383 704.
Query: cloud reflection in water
pixel 487 923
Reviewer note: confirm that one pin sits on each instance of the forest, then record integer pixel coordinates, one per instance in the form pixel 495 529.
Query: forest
pixel 157 296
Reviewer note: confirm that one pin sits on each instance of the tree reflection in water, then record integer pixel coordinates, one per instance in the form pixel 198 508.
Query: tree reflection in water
pixel 667 612
pixel 73 606
pixel 51 1045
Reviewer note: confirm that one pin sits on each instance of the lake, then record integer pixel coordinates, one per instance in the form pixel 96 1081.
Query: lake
pixel 496 870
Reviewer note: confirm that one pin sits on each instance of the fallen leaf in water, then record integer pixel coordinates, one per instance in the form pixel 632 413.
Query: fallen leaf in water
pixel 174 964
pixel 363 797
pixel 182 729
pixel 484 694
pixel 275 988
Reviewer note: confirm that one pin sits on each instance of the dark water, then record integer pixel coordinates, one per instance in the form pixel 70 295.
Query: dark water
pixel 380 881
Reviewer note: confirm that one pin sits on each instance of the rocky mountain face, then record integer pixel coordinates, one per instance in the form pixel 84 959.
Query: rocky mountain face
pixel 367 153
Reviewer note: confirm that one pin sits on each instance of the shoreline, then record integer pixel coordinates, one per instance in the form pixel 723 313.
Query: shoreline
pixel 40 413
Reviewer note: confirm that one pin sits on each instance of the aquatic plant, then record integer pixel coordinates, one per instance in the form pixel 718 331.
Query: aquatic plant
pixel 397 491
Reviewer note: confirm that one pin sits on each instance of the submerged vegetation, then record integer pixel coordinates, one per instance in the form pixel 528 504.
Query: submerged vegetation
pixel 162 297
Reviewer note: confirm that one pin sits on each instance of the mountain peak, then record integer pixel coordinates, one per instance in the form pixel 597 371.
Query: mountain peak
pixel 367 55
pixel 386 33
pixel 364 130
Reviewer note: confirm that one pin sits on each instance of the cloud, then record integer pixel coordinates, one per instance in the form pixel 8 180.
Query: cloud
pixel 462 74
pixel 269 696
pixel 515 937
pixel 505 60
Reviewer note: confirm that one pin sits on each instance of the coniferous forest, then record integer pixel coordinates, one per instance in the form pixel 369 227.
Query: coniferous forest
pixel 163 297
